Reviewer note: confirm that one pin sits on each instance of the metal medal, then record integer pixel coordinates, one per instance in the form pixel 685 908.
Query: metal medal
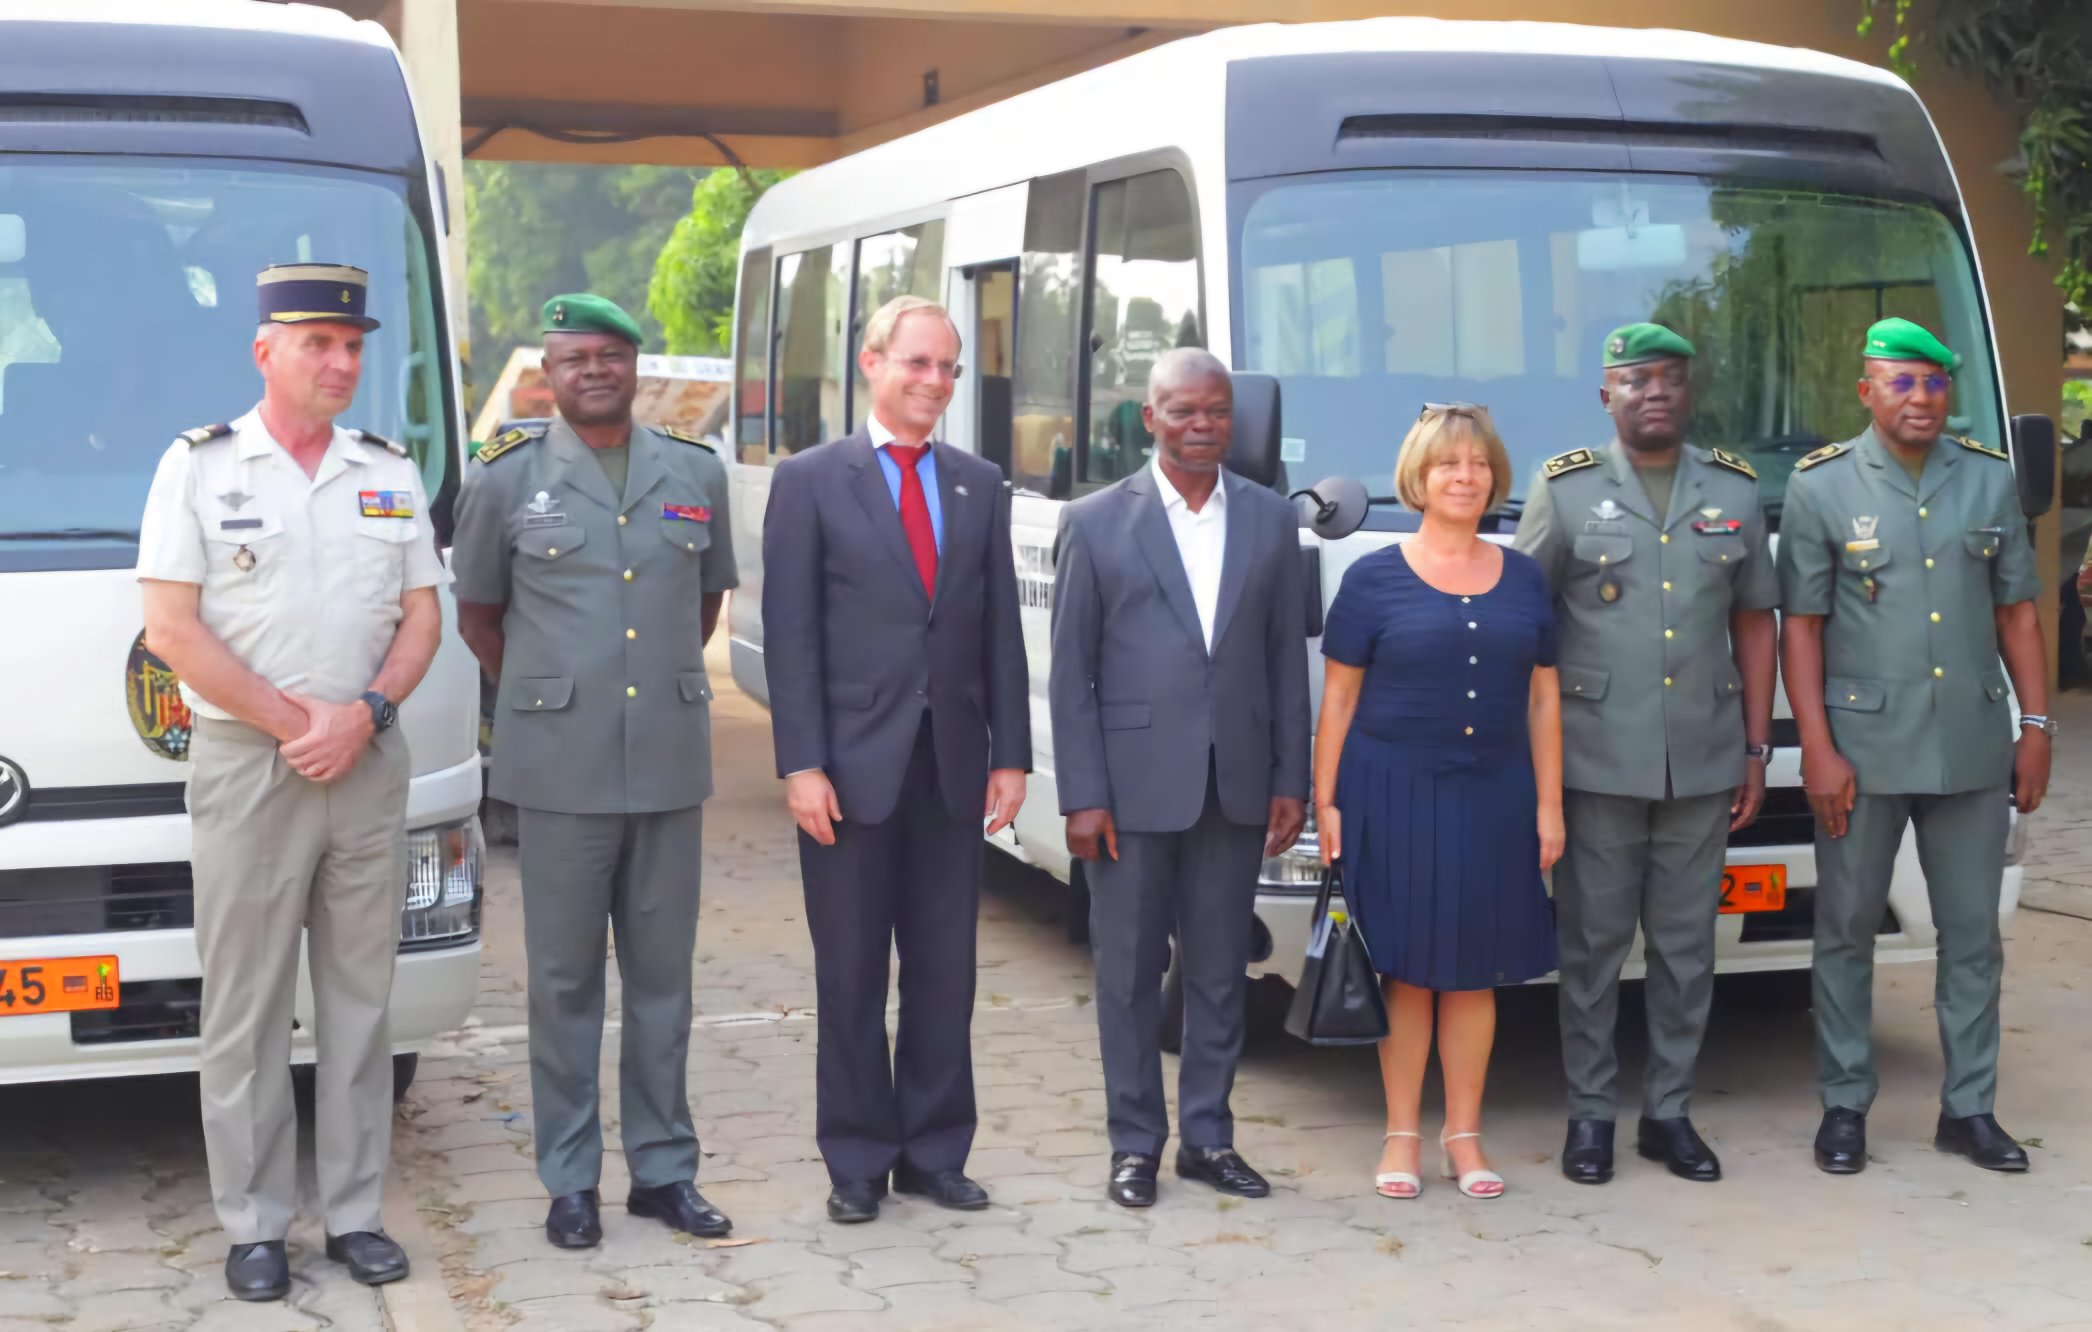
pixel 243 559
pixel 1608 588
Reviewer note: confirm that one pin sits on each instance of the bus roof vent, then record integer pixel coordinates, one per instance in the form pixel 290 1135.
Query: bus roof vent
pixel 1652 134
pixel 125 109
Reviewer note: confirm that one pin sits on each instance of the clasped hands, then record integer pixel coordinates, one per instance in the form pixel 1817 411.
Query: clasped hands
pixel 333 739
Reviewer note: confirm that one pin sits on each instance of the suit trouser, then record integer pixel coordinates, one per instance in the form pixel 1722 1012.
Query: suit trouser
pixel 1961 847
pixel 275 854
pixel 585 875
pixel 912 884
pixel 1201 886
pixel 1656 863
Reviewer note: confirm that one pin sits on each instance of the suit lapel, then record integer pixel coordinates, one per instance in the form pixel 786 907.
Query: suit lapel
pixel 1938 471
pixel 1627 490
pixel 868 483
pixel 1151 531
pixel 1235 557
pixel 1884 468
pixel 1686 490
pixel 647 467
pixel 576 467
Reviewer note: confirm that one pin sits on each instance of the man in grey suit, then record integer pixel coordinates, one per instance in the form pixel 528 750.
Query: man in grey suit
pixel 592 556
pixel 1180 736
pixel 900 712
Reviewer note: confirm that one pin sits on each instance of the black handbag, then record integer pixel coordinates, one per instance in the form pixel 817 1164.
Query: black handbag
pixel 1338 1000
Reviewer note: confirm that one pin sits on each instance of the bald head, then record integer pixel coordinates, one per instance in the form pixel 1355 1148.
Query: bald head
pixel 1182 367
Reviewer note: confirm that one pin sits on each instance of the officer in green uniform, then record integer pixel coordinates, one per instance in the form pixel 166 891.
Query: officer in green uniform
pixel 1664 593
pixel 1906 575
pixel 592 555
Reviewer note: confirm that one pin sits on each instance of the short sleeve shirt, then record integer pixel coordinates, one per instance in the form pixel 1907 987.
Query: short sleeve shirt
pixel 302 578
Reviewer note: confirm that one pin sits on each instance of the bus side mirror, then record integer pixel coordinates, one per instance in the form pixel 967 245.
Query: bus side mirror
pixel 1334 507
pixel 2034 463
pixel 1253 454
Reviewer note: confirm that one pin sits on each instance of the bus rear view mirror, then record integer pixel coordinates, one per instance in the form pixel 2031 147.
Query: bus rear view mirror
pixel 14 238
pixel 2034 463
pixel 1335 506
pixel 1253 454
pixel 1612 249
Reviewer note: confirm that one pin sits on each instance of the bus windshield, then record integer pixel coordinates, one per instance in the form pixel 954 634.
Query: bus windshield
pixel 1370 294
pixel 127 314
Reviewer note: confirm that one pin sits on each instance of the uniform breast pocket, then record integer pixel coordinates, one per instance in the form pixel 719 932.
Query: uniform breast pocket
pixel 1872 559
pixel 685 531
pixel 1981 544
pixel 244 554
pixel 1597 548
pixel 1720 550
pixel 550 543
pixel 380 556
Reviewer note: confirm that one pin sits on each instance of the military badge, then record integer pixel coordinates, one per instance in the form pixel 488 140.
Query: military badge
pixel 1863 528
pixel 1608 589
pixel 243 560
pixel 1607 510
pixel 233 499
pixel 154 699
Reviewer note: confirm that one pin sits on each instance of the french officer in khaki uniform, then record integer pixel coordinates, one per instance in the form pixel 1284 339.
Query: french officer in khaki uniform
pixel 592 558
pixel 290 581
pixel 1908 583
pixel 1664 592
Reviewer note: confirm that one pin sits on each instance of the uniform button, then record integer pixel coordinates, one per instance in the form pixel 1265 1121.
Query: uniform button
pixel 1470 624
pixel 1465 600
pixel 1939 672
pixel 631 691
pixel 550 551
pixel 1725 559
pixel 621 520
pixel 1928 561
pixel 1922 513
pixel 1666 584
pixel 1473 661
pixel 631 633
pixel 1667 682
pixel 689 545
pixel 1865 564
pixel 1669 634
pixel 1665 538
pixel 1935 617
pixel 1470 730
pixel 1470 693
pixel 1852 698
pixel 538 703
pixel 1601 560
pixel 628 575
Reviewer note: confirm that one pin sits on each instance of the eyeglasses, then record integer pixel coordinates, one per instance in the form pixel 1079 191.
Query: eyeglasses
pixel 923 365
pixel 1467 409
pixel 1903 384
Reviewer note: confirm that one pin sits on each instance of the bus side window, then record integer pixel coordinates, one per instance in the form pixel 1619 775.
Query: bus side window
pixel 1144 301
pixel 1049 292
pixel 991 349
pixel 908 262
pixel 752 361
pixel 808 401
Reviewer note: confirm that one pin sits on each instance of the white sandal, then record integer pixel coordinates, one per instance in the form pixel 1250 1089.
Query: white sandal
pixel 1390 1178
pixel 1475 1183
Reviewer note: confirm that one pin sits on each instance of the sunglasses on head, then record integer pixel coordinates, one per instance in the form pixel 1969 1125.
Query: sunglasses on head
pixel 1468 409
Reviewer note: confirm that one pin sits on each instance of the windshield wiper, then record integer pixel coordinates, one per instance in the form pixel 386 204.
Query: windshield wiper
pixel 75 534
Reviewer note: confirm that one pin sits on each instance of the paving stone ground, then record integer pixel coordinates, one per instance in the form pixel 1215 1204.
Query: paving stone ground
pixel 105 1223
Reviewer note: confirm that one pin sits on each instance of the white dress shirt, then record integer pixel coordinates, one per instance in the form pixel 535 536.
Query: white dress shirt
pixel 1202 540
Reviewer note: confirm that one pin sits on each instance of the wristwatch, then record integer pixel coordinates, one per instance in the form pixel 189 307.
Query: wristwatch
pixel 1762 753
pixel 2046 725
pixel 382 711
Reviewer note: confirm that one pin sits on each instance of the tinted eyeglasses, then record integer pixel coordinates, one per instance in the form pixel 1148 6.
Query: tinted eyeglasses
pixel 1903 384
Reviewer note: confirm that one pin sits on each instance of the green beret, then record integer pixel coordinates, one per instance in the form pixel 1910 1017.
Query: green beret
pixel 1901 340
pixel 1637 343
pixel 584 312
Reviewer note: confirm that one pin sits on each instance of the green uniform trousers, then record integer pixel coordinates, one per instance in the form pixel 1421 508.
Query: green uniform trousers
pixel 1656 863
pixel 1961 847
pixel 585 875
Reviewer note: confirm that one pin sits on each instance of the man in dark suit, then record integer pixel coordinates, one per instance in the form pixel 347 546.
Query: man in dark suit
pixel 1180 737
pixel 898 696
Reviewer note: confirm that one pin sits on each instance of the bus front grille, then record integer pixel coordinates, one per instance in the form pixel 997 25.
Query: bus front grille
pixel 96 899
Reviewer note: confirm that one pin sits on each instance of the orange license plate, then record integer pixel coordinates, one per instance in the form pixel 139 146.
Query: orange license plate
pixel 1753 888
pixel 56 985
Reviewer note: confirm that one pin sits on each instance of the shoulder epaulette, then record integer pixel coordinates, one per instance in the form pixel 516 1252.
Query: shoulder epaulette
pixel 1564 463
pixel 686 437
pixel 370 437
pixel 1984 449
pixel 508 439
pixel 1733 463
pixel 1822 455
pixel 204 434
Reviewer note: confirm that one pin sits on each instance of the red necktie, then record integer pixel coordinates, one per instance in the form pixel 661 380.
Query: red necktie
pixel 915 513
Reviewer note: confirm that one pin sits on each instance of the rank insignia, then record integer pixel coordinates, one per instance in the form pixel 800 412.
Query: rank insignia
pixel 689 513
pixel 1733 463
pixel 1563 463
pixel 385 503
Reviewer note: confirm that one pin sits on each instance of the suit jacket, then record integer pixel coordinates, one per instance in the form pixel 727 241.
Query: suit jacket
pixel 855 650
pixel 1138 703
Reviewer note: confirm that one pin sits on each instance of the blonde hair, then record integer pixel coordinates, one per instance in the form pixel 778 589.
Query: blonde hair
pixel 1435 437
pixel 878 330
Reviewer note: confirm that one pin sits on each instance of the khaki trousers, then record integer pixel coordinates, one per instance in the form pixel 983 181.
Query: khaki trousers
pixel 274 857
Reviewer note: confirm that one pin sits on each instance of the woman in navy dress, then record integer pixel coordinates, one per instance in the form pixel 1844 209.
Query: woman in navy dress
pixel 1438 779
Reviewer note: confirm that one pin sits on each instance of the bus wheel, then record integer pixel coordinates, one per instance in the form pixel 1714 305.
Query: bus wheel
pixel 404 1067
pixel 1169 1021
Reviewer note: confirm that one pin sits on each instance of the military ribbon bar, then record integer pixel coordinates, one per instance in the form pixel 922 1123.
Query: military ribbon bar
pixel 689 513
pixel 386 503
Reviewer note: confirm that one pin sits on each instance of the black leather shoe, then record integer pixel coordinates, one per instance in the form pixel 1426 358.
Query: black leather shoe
pixel 1223 1169
pixel 371 1256
pixel 1841 1144
pixel 1587 1153
pixel 856 1202
pixel 679 1206
pixel 946 1188
pixel 1679 1146
pixel 575 1220
pixel 1979 1138
pixel 258 1271
pixel 1132 1179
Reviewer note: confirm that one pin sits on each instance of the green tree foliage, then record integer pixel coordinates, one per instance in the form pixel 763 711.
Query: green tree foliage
pixel 2038 54
pixel 691 296
pixel 539 229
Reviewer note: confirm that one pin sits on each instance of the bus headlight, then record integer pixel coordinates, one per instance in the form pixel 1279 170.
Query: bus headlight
pixel 1299 870
pixel 444 882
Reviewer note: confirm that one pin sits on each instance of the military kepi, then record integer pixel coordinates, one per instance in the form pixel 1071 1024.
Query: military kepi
pixel 584 312
pixel 314 294
pixel 1901 340
pixel 1637 343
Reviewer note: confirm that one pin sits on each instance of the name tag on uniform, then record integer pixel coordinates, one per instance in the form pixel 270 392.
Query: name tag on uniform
pixel 689 513
pixel 238 524
pixel 386 503
pixel 1870 543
